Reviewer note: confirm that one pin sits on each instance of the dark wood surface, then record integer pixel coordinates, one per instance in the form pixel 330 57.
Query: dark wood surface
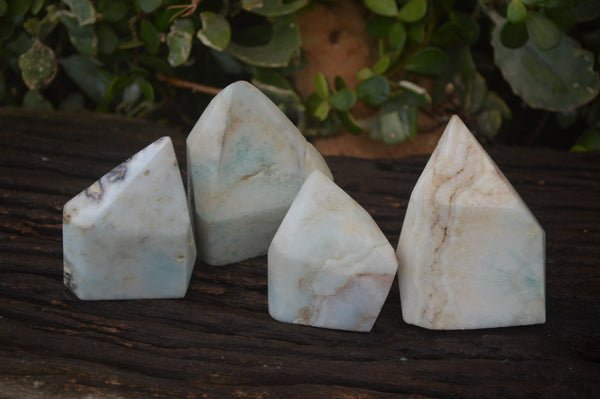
pixel 219 341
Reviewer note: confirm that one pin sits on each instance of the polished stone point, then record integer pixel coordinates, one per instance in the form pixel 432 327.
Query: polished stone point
pixel 246 162
pixel 129 234
pixel 329 265
pixel 471 254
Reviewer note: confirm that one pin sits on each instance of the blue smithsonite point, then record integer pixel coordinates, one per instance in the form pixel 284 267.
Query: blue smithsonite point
pixel 246 162
pixel 129 234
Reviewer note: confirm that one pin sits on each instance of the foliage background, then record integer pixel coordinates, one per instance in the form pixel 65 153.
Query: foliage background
pixel 521 71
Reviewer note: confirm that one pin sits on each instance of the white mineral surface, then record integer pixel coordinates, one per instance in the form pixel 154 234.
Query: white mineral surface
pixel 129 234
pixel 471 254
pixel 329 264
pixel 246 162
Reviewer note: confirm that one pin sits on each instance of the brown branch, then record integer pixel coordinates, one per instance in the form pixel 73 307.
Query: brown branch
pixel 186 84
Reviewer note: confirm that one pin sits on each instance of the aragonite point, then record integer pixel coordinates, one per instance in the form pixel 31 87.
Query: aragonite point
pixel 129 234
pixel 471 254
pixel 246 162
pixel 329 264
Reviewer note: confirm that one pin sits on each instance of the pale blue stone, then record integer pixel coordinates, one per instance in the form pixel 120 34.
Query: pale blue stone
pixel 246 162
pixel 129 234
pixel 471 254
pixel 329 264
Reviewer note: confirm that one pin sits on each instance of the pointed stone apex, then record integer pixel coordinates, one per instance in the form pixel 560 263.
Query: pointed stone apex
pixel 246 163
pixel 471 254
pixel 129 234
pixel 329 264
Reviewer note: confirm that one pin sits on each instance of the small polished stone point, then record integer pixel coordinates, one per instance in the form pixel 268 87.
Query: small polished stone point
pixel 471 254
pixel 129 235
pixel 329 264
pixel 246 162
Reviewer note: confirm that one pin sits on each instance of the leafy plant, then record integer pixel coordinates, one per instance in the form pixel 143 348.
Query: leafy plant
pixel 154 57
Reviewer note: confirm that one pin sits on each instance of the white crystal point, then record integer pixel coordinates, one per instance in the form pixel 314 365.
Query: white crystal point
pixel 246 162
pixel 471 254
pixel 329 264
pixel 129 234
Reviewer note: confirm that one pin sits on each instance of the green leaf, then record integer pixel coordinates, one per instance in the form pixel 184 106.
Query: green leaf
pixel 381 65
pixel 493 101
pixel 513 35
pixel 460 29
pixel 382 7
pixel 16 8
pixel 7 27
pixel 148 6
pixel 413 11
pixel 416 33
pixel 321 86
pixel 215 32
pixel 364 73
pixel 339 83
pixel 590 141
pixel 83 10
pixel 114 11
pixel 36 6
pixel 322 110
pixel 3 7
pixel 379 26
pixel 83 38
pixel 349 123
pixel 542 32
pixel 146 89
pixel 38 66
pixel 343 100
pixel 273 8
pixel 87 74
pixel 107 39
pixel 489 122
pixel 179 41
pixel 373 91
pixel 150 36
pixel 284 43
pixel 33 99
pixel 116 87
pixel 427 61
pixel 516 12
pixel 42 28
pixel 397 36
pixel 476 93
pixel 559 79
pixel 157 64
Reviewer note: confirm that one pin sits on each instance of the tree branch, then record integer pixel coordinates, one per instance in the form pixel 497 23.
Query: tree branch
pixel 185 84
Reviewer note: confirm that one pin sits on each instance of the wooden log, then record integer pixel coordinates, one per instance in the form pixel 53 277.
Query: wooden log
pixel 219 341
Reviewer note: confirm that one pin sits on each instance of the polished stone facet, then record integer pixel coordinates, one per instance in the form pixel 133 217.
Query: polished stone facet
pixel 471 254
pixel 329 264
pixel 129 234
pixel 246 163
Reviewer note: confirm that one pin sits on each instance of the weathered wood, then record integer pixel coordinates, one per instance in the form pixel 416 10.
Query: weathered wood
pixel 219 341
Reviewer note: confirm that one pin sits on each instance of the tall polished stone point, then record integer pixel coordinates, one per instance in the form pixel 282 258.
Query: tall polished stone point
pixel 471 254
pixel 246 162
pixel 329 265
pixel 129 234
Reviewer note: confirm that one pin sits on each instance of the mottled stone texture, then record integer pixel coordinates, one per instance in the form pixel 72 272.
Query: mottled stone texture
pixel 471 254
pixel 246 162
pixel 329 264
pixel 129 234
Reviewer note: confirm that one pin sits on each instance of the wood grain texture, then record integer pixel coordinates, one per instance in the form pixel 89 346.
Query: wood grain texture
pixel 219 341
